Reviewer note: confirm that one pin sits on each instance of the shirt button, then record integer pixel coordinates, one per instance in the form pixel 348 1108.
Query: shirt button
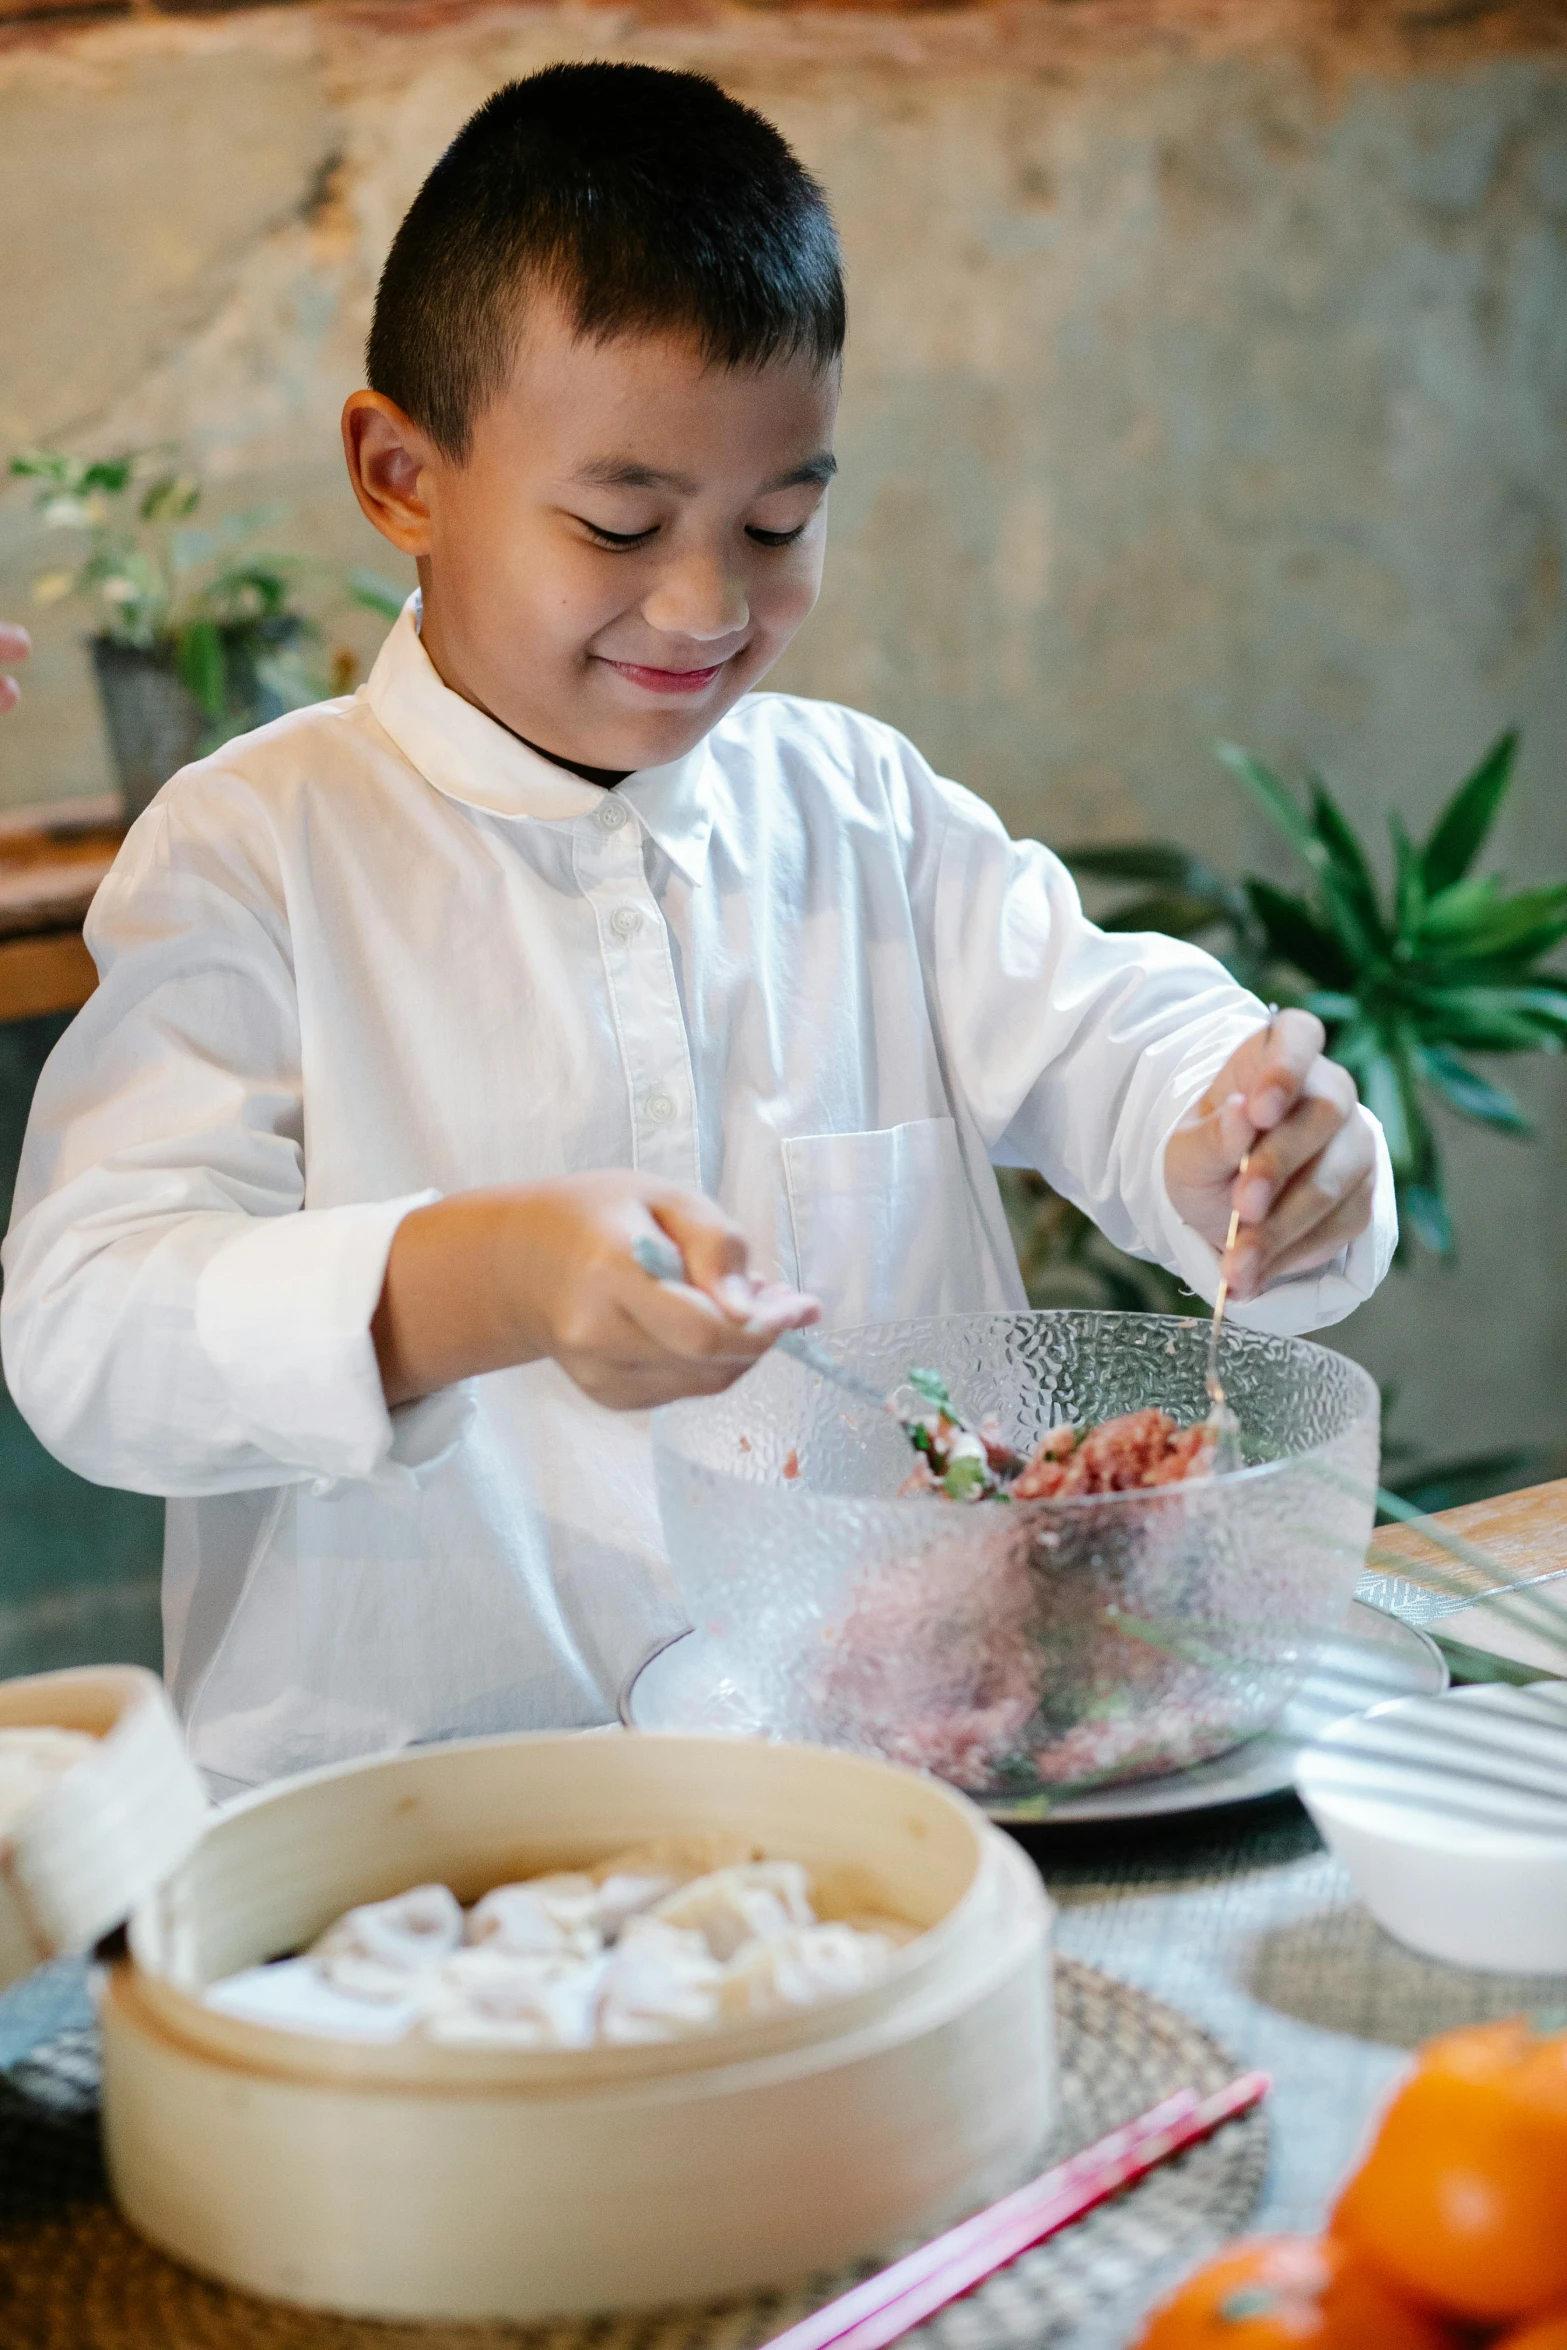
pixel 612 815
pixel 659 1106
pixel 625 922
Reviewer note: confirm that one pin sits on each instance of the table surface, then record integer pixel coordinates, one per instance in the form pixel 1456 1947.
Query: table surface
pixel 1241 1919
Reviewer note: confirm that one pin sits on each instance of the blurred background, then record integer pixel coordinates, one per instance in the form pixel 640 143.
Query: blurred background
pixel 1207 379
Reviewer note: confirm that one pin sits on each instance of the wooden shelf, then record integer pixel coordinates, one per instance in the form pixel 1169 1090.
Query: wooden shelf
pixel 46 971
pixel 48 874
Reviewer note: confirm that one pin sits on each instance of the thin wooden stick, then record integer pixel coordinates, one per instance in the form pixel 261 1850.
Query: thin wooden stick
pixel 887 2305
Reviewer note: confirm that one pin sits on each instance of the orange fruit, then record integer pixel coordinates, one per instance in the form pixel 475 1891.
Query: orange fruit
pixel 1462 2201
pixel 1290 2293
pixel 1541 2333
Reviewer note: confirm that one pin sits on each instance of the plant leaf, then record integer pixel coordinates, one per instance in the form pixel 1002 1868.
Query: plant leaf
pixel 1159 861
pixel 1481 1019
pixel 1529 923
pixel 41 465
pixel 1363 944
pixel 1331 1007
pixel 1426 1209
pixel 1347 863
pixel 1295 934
pixel 1387 1098
pixel 110 474
pixel 1471 1095
pixel 1177 917
pixel 1409 895
pixel 1461 829
pixel 1278 803
pixel 170 498
pixel 199 649
pixel 1458 909
pixel 1546 1006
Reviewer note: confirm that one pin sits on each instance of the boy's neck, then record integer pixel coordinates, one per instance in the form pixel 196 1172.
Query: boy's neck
pixel 605 777
pixel 608 777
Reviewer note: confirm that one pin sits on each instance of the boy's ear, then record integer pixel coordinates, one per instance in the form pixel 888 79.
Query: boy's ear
pixel 390 463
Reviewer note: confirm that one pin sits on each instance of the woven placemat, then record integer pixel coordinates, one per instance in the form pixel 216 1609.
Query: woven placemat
pixel 73 2276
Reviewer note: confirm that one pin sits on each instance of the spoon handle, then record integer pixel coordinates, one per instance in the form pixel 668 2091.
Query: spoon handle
pixel 826 1366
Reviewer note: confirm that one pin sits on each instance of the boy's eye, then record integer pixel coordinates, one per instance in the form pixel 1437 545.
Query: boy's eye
pixel 616 538
pixel 777 538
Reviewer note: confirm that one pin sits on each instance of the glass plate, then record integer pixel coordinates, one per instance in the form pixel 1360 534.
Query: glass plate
pixel 1373 1658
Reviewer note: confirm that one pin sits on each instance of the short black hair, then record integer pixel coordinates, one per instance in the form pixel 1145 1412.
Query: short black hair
pixel 642 199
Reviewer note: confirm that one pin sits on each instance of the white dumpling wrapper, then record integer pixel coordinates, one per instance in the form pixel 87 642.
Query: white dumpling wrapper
pixel 544 1917
pixel 372 1951
pixel 660 1982
pixel 801 1969
pixel 626 1895
pixel 485 1996
pixel 758 1901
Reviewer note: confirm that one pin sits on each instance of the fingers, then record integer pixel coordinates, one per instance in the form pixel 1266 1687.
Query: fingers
pixel 674 1319
pixel 677 1343
pixel 1327 1204
pixel 15 643
pixel 1323 1109
pixel 1271 1067
pixel 1346 1223
pixel 10 694
pixel 721 1315
pixel 716 1262
pixel 643 1386
pixel 714 1249
pixel 1209 1149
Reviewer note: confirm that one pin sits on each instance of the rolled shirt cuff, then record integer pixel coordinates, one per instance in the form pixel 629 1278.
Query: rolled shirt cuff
pixel 1301 1302
pixel 283 1312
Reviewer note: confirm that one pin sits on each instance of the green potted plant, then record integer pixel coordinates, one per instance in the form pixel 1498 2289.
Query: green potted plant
pixel 1411 975
pixel 200 632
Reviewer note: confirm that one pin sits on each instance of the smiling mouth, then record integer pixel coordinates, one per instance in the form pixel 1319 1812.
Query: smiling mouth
pixel 667 681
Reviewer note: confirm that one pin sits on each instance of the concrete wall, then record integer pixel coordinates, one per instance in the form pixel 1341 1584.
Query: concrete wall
pixel 1208 376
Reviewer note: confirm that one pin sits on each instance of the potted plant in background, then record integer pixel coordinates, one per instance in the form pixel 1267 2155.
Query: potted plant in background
pixel 1408 978
pixel 201 632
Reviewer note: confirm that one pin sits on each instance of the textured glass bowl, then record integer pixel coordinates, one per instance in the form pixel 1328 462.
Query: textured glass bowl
pixel 1026 1646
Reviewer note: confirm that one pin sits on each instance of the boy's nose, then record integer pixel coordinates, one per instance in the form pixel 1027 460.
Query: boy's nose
pixel 702 601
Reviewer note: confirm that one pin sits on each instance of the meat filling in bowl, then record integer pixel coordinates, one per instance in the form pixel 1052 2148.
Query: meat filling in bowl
pixel 1123 1455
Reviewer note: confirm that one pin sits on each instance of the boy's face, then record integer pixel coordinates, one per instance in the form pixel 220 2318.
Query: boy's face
pixel 634 538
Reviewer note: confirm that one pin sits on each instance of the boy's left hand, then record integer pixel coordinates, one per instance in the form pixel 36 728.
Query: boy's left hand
pixel 1307 1190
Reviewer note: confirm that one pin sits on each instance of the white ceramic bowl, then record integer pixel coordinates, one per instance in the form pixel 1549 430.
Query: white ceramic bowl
pixel 1450 1814
pixel 420 2181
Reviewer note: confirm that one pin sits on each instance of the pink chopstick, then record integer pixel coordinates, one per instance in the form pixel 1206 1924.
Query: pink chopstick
pixel 886 2306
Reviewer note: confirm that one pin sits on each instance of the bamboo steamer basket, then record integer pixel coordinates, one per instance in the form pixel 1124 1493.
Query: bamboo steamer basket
pixel 110 1828
pixel 420 2181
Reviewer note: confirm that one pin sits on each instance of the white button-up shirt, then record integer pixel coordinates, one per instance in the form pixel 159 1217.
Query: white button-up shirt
pixel 381 951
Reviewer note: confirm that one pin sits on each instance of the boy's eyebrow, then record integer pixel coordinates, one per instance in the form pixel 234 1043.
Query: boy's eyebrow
pixel 624 473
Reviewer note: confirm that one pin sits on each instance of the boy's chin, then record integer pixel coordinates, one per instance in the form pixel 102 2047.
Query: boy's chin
pixel 653 738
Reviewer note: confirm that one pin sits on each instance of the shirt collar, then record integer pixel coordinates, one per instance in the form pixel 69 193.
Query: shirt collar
pixel 472 758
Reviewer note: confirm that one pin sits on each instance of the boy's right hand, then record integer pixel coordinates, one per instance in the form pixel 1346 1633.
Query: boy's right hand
pixel 490 1278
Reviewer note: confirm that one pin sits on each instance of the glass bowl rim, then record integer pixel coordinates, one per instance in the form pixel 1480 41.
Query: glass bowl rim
pixel 1247 1478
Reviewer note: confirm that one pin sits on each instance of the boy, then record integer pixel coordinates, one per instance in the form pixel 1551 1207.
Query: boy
pixel 418 1008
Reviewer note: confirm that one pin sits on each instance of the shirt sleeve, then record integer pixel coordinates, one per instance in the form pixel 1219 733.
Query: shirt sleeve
pixel 176 1319
pixel 1077 1051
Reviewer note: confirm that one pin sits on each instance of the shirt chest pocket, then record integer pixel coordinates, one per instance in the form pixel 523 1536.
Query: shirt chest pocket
pixel 884 1224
